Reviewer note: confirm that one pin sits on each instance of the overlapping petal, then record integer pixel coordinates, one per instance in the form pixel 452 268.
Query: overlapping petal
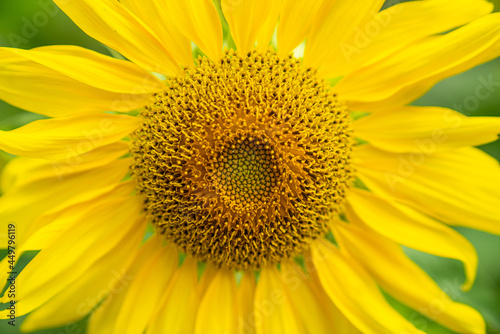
pixel 273 307
pixel 355 293
pixel 63 138
pixel 146 290
pixel 103 280
pixel 296 19
pixel 246 293
pixel 266 32
pixel 36 80
pixel 154 13
pixel 103 318
pixel 380 34
pixel 68 257
pixel 409 73
pixel 427 129
pixel 334 27
pixel 217 313
pixel 340 323
pixel 309 309
pixel 435 184
pixel 199 21
pixel 93 69
pixel 386 261
pixel 245 19
pixel 411 228
pixel 45 193
pixel 179 304
pixel 21 171
pixel 113 24
pixel 46 227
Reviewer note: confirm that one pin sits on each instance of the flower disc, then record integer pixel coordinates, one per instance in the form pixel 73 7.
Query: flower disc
pixel 242 162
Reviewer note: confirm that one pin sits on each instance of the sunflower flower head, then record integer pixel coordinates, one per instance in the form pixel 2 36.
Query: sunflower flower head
pixel 244 161
pixel 265 186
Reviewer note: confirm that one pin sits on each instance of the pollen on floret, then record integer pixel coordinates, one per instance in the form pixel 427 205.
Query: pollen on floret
pixel 243 161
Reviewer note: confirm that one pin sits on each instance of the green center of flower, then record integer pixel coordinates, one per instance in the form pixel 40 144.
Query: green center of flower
pixel 243 162
pixel 245 171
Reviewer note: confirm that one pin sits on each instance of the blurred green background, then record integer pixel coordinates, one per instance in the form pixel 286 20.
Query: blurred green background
pixel 32 23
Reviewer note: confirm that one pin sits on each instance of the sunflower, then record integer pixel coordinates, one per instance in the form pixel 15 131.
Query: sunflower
pixel 263 180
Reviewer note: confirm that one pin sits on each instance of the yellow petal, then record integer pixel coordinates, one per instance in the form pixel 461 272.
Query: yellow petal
pixel 455 187
pixel 273 311
pixel 63 138
pixel 199 21
pixel 403 24
pixel 103 318
pixel 146 290
pixel 246 293
pixel 333 29
pixel 412 228
pixel 105 278
pixel 111 23
pixel 206 279
pixel 93 69
pixel 13 172
pixel 177 314
pixel 465 161
pixel 42 225
pixel 217 312
pixel 73 252
pixel 267 31
pixel 245 19
pixel 308 307
pixel 26 202
pixel 35 87
pixel 399 276
pixel 355 293
pixel 153 14
pixel 296 19
pixel 411 72
pixel 340 323
pixel 20 171
pixel 428 129
pixel 46 227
